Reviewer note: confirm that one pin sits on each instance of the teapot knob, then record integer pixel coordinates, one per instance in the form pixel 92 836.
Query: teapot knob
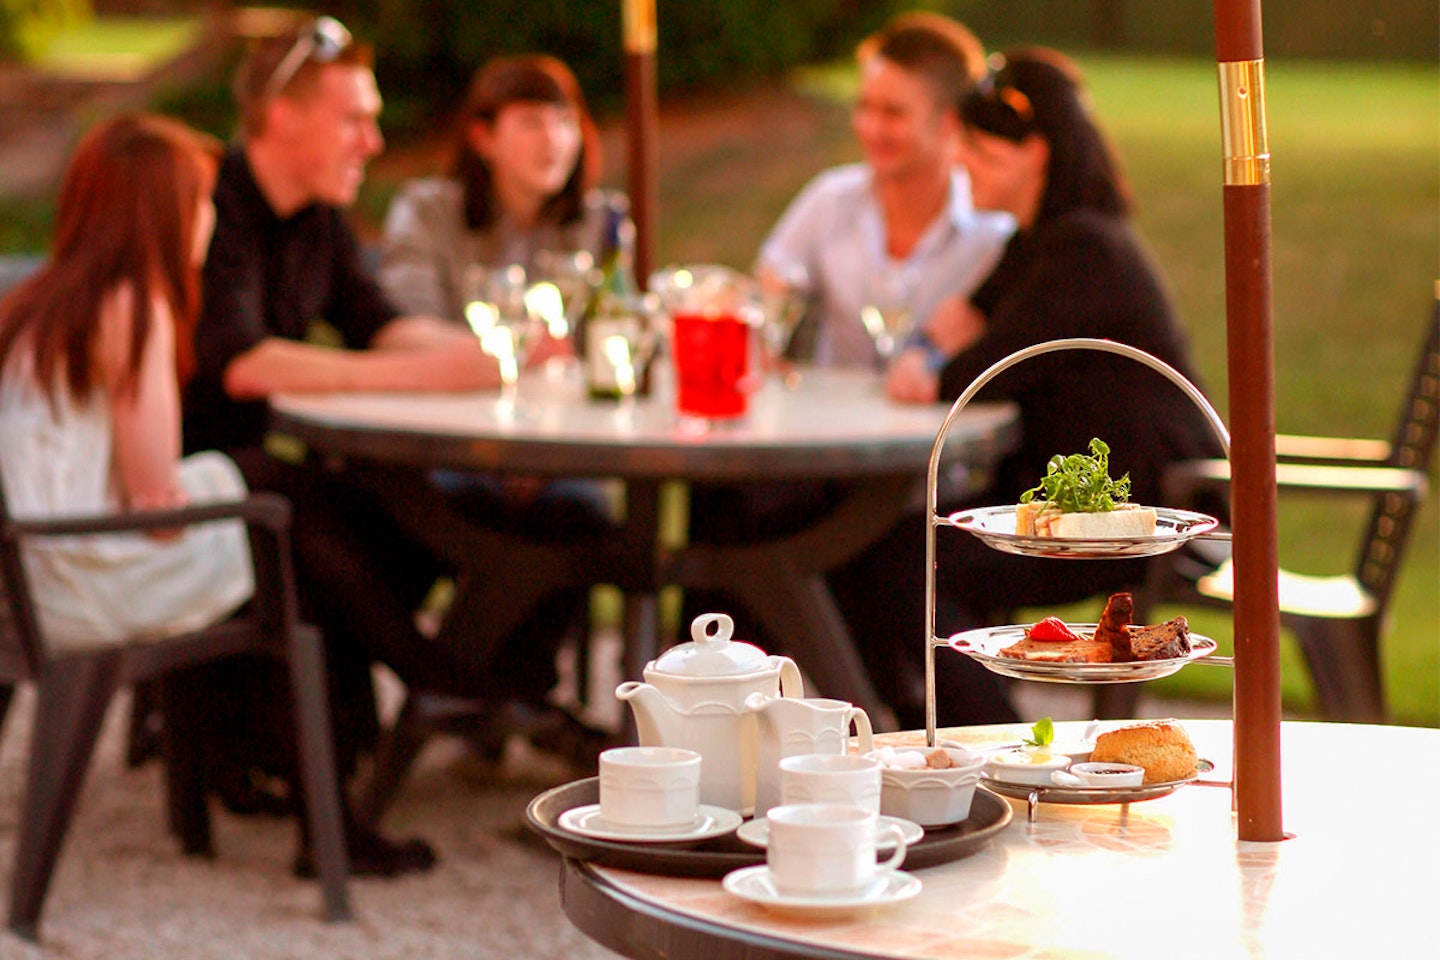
pixel 700 629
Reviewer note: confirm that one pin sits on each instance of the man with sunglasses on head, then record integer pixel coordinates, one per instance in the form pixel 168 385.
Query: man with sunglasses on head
pixel 283 257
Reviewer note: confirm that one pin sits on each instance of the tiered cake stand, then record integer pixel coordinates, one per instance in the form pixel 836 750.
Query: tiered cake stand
pixel 995 526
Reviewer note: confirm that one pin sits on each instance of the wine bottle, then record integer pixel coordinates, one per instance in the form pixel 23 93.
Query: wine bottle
pixel 613 340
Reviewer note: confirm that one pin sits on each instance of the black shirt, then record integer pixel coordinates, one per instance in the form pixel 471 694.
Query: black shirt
pixel 269 277
pixel 1083 274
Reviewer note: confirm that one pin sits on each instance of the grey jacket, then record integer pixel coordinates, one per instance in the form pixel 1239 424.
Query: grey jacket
pixel 427 246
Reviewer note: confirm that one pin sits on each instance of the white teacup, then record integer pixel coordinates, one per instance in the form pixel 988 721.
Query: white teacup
pixel 825 848
pixel 650 788
pixel 831 778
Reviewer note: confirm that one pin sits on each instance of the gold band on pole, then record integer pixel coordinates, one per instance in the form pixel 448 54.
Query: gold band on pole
pixel 639 23
pixel 1242 123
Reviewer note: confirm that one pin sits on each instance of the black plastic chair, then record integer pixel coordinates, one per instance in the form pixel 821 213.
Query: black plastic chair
pixel 1338 620
pixel 75 688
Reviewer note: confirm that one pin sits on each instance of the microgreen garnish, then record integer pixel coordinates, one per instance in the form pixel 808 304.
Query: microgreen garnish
pixel 1042 734
pixel 1080 483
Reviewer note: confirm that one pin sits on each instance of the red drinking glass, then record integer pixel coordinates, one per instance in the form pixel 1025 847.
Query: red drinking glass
pixel 712 357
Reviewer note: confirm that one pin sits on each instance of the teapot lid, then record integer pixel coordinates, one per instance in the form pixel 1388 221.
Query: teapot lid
pixel 712 654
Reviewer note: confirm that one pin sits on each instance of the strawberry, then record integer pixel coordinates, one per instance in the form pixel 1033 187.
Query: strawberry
pixel 1052 628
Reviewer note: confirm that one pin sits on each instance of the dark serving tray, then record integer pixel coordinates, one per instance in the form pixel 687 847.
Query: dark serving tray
pixel 712 859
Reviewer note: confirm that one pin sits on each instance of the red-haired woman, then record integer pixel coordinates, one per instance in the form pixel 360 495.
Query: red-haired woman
pixel 90 348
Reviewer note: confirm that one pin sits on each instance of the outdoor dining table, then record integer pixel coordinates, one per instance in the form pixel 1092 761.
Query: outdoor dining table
pixel 835 425
pixel 1356 876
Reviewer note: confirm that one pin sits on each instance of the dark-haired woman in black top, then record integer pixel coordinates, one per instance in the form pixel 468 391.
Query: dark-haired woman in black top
pixel 1075 268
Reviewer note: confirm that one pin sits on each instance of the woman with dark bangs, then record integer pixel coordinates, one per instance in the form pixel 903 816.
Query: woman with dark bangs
pixel 92 349
pixel 526 165
pixel 1075 268
pixel 523 193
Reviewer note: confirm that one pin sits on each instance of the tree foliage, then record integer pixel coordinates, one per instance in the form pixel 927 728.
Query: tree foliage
pixel 428 51
pixel 26 26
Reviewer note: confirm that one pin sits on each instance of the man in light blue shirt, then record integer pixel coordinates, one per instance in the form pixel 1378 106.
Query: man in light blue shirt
pixel 897 232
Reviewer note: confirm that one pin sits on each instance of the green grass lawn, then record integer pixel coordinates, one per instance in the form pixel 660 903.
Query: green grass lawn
pixel 117 48
pixel 1354 199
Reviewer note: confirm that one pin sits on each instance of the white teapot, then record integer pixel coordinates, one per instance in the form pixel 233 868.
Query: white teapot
pixel 694 697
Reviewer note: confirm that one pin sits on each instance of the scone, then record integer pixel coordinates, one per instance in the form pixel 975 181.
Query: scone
pixel 1162 747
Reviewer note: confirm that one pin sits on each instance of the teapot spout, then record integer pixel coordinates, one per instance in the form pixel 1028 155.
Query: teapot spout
pixel 656 721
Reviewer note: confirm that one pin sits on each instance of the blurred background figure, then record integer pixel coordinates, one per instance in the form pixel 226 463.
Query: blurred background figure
pixel 283 257
pixel 894 235
pixel 520 207
pixel 91 348
pixel 879 245
pixel 522 191
pixel 1075 268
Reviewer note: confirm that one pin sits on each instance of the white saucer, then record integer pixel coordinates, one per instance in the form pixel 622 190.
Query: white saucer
pixel 755 884
pixel 757 832
pixel 709 822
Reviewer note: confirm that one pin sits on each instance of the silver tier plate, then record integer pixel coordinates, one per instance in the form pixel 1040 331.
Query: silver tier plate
pixel 986 643
pixel 1084 795
pixel 996 527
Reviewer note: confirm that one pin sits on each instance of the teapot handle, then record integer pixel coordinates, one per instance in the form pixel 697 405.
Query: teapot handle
pixel 791 683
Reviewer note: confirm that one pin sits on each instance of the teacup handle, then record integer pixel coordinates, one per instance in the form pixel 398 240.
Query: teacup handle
pixel 897 857
pixel 861 719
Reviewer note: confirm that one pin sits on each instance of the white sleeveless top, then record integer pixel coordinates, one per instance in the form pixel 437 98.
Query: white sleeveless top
pixel 102 589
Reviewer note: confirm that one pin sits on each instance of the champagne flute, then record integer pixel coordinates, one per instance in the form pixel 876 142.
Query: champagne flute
pixel 886 313
pixel 496 310
pixel 567 282
pixel 783 289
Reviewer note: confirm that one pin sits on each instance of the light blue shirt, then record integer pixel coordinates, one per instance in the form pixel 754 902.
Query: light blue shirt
pixel 835 230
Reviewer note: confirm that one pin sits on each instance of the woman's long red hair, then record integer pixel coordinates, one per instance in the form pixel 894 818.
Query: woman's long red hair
pixel 126 213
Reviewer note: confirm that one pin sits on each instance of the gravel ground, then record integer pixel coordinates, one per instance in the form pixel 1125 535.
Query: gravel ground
pixel 123 889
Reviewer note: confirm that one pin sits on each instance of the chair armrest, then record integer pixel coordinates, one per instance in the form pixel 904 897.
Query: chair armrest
pixel 268 510
pixel 1331 451
pixel 1183 479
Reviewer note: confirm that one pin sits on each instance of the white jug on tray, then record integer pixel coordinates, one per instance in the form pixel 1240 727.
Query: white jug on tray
pixel 787 726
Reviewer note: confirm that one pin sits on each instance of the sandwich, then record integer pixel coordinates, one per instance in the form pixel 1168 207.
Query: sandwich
pixel 1077 500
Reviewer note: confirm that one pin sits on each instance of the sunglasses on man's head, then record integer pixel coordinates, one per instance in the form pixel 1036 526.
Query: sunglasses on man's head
pixel 323 40
pixel 997 107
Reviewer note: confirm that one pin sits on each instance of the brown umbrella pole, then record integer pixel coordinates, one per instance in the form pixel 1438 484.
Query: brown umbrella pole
pixel 1240 59
pixel 643 126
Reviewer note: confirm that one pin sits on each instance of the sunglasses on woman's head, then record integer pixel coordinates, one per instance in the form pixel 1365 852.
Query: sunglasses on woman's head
pixel 323 40
pixel 997 107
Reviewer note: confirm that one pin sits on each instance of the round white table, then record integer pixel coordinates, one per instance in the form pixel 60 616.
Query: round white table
pixel 837 425
pixel 1357 877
